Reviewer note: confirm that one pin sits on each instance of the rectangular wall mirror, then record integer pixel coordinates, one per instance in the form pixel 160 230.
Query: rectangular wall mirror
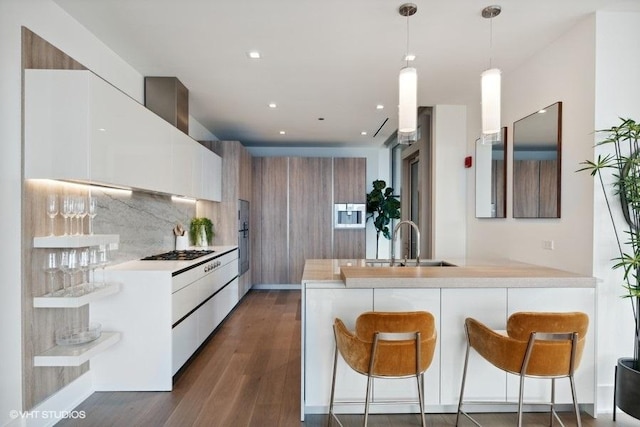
pixel 536 164
pixel 491 173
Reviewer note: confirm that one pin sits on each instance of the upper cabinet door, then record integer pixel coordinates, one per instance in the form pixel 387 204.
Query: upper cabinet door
pixel 78 127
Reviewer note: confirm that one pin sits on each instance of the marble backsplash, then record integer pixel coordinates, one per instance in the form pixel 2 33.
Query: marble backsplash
pixel 144 221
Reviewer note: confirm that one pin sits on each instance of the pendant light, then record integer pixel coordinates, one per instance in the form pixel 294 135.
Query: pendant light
pixel 408 89
pixel 490 86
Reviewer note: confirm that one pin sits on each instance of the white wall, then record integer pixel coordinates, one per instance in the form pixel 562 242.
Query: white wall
pixel 378 167
pixel 449 175
pixel 563 71
pixel 48 20
pixel 617 94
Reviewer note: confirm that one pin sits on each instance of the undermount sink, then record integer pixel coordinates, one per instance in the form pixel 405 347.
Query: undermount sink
pixel 408 263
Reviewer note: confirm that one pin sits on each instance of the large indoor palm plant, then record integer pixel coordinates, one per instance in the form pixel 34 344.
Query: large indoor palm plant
pixel 621 169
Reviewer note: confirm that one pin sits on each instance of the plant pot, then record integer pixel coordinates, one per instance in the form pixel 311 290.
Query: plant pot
pixel 627 388
pixel 201 237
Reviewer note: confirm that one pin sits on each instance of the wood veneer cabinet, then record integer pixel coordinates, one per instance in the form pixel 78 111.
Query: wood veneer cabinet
pixel 270 220
pixel 292 214
pixel 349 186
pixel 237 172
pixel 310 212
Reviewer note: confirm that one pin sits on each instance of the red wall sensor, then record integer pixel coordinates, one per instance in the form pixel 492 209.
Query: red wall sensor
pixel 468 162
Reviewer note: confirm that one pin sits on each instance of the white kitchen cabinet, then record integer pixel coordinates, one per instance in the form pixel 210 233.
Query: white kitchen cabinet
pixel 562 300
pixel 206 172
pixel 405 388
pixel 322 306
pixel 78 127
pixel 485 382
pixel 165 311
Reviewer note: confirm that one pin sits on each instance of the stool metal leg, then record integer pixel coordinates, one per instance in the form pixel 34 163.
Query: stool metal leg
pixel 333 387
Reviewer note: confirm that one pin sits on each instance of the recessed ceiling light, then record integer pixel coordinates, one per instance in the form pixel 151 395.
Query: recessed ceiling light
pixel 409 57
pixel 272 105
pixel 282 132
pixel 379 107
pixel 542 111
pixel 363 133
pixel 254 54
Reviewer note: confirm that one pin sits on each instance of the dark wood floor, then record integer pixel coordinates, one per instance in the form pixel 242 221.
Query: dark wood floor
pixel 248 374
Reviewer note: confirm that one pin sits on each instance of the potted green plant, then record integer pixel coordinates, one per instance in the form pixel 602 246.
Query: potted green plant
pixel 201 231
pixel 623 166
pixel 382 207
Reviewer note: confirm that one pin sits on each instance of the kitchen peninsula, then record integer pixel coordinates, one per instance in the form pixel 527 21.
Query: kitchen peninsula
pixel 487 290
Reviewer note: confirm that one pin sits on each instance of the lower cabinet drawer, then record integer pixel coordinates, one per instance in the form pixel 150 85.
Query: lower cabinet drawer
pixel 184 342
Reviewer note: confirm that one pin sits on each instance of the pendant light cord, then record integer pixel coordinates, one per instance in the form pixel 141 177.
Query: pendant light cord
pixel 406 54
pixel 490 41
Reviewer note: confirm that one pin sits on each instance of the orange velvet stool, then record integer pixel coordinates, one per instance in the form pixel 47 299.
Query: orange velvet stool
pixel 386 345
pixel 537 344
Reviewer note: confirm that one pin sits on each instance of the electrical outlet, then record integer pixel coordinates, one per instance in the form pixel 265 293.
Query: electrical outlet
pixel 547 244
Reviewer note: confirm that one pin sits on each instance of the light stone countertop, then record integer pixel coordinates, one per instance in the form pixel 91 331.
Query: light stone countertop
pixel 171 266
pixel 467 273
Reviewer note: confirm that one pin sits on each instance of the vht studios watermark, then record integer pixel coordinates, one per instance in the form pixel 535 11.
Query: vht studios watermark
pixel 47 415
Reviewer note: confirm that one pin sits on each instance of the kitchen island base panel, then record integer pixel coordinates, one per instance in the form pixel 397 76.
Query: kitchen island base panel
pixel 325 297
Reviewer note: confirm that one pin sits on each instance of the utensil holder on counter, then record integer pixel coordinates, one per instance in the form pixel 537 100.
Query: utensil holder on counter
pixel 182 242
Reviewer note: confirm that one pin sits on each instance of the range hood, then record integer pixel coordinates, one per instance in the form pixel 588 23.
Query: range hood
pixel 168 98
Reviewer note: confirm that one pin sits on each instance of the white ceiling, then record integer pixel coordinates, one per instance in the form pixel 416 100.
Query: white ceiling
pixel 334 59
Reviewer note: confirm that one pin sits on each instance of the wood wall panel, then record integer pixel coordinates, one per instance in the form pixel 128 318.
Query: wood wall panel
pixel 39 325
pixel 272 220
pixel 310 212
pixel 255 234
pixel 349 184
pixel 349 244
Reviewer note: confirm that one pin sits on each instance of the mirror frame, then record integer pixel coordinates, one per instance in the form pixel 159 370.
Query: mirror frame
pixel 529 192
pixel 497 185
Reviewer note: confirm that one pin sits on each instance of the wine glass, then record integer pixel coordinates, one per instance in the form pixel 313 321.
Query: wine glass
pixel 94 263
pixel 75 214
pixel 92 210
pixel 52 211
pixel 63 266
pixel 103 260
pixel 67 212
pixel 81 212
pixel 83 266
pixel 51 265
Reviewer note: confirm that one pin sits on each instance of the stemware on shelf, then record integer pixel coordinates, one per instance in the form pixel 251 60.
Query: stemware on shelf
pixel 84 265
pixel 52 211
pixel 81 212
pixel 67 212
pixel 68 266
pixel 92 210
pixel 51 266
pixel 103 260
pixel 94 263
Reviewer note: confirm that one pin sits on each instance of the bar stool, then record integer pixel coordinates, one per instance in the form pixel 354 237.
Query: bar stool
pixel 386 345
pixel 536 344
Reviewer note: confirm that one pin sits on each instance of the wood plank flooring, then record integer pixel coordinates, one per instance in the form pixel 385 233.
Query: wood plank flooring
pixel 248 374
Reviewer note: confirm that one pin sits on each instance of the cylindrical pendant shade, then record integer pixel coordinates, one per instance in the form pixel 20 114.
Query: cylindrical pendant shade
pixel 408 102
pixel 491 101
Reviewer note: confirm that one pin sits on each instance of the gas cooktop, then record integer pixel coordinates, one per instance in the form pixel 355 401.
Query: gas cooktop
pixel 178 255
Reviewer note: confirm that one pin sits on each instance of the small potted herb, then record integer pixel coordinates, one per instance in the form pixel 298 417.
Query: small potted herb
pixel 201 231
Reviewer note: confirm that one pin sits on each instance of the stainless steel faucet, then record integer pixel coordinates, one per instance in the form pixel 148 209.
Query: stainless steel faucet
pixel 393 240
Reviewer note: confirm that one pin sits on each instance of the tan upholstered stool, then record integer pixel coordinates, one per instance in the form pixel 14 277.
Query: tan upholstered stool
pixel 386 345
pixel 537 344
